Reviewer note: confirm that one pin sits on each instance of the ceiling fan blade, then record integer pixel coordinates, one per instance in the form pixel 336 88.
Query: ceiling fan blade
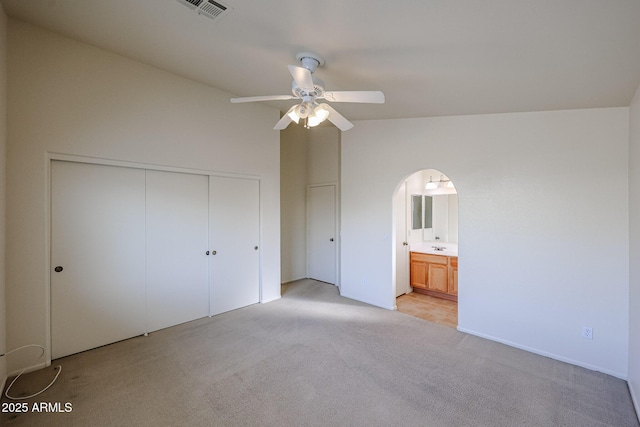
pixel 303 79
pixel 261 98
pixel 285 120
pixel 368 96
pixel 337 119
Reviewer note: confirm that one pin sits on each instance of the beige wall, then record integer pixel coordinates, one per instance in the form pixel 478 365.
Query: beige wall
pixel 68 97
pixel 293 190
pixel 3 169
pixel 323 155
pixel 634 250
pixel 308 157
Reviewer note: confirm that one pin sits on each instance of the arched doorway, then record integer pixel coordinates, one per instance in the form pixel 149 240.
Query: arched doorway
pixel 426 247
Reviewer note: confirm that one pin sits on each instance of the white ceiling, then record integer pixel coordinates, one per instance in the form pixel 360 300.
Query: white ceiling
pixel 429 57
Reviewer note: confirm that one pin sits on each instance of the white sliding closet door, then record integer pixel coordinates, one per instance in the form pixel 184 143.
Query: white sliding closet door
pixel 235 233
pixel 177 240
pixel 98 243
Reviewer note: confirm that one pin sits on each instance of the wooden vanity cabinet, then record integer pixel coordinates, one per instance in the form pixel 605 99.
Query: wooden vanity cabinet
pixel 453 275
pixel 435 275
pixel 418 275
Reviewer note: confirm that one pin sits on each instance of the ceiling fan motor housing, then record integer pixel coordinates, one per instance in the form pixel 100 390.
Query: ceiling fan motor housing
pixel 318 89
pixel 310 61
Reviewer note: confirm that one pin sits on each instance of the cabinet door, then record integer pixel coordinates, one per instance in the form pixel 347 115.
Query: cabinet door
pixel 418 274
pixel 98 255
pixel 235 235
pixel 437 277
pixel 453 281
pixel 453 275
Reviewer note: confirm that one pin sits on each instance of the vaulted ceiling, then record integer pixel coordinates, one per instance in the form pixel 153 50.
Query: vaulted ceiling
pixel 429 57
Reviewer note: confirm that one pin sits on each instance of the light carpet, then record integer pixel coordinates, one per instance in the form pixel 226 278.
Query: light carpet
pixel 314 358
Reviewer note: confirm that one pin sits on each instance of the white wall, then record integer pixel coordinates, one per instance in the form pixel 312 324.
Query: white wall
pixel 543 241
pixel 452 210
pixel 68 97
pixel 3 169
pixel 634 250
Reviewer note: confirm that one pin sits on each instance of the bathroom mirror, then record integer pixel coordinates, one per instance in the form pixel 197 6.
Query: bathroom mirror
pixel 443 211
pixel 416 211
pixel 428 211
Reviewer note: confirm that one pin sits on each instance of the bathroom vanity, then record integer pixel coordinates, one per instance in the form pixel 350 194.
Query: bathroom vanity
pixel 434 274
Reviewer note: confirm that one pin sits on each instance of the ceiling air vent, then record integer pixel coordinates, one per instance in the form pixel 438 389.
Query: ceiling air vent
pixel 209 8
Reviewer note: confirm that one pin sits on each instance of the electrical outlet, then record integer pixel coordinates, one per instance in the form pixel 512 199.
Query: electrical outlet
pixel 587 332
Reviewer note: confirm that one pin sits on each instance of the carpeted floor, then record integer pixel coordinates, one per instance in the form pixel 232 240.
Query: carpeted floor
pixel 314 358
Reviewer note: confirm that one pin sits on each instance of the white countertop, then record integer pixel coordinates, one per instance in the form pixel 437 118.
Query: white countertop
pixel 449 249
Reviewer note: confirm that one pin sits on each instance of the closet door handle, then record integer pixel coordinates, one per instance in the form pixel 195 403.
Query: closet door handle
pixel 214 252
pixel 58 269
pixel 207 253
pixel 331 239
pixel 256 248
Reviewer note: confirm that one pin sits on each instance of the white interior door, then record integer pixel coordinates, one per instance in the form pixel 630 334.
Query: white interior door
pixel 177 220
pixel 98 243
pixel 321 233
pixel 402 248
pixel 235 235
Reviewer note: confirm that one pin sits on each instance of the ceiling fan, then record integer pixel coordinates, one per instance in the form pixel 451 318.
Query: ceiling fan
pixel 310 89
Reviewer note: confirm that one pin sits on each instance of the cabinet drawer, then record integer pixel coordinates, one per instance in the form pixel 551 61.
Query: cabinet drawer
pixel 431 259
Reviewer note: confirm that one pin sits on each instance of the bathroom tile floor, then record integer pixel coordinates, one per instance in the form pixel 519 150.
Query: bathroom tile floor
pixel 436 310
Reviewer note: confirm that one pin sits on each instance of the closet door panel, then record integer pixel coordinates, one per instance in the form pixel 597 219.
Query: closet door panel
pixel 98 242
pixel 177 216
pixel 235 235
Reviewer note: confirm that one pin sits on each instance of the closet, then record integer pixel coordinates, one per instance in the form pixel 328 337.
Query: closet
pixel 137 250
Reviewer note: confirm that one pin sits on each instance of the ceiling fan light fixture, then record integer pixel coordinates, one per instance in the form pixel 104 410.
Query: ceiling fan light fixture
pixel 302 110
pixel 293 116
pixel 319 115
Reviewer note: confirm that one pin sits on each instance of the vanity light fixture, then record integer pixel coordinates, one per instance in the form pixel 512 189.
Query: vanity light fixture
pixel 442 186
pixel 432 185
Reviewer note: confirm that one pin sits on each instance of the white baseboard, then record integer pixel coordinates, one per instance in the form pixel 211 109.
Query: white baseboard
pixel 29 369
pixel 635 395
pixel 374 303
pixel 264 301
pixel 292 280
pixel 620 375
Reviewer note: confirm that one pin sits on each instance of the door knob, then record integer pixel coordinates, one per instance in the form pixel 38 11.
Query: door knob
pixel 405 244
pixel 207 253
pixel 256 248
pixel 214 252
pixel 331 239
pixel 58 269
